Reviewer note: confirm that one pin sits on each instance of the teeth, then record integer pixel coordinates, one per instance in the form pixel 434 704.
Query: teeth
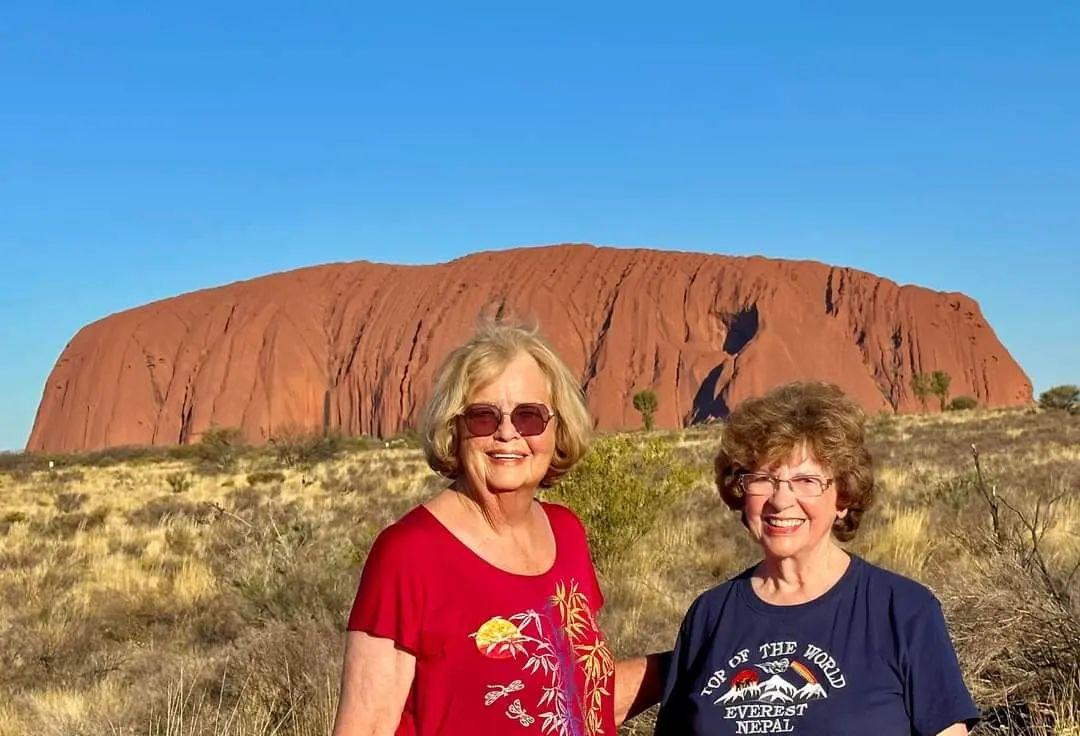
pixel 506 456
pixel 784 522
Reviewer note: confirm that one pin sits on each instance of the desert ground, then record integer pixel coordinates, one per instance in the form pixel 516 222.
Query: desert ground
pixel 203 590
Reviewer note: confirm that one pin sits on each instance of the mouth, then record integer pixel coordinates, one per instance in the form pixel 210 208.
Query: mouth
pixel 506 457
pixel 782 525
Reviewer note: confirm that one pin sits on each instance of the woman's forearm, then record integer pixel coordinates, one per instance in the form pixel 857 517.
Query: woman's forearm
pixel 639 683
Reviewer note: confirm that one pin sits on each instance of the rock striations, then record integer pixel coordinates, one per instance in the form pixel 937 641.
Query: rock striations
pixel 353 347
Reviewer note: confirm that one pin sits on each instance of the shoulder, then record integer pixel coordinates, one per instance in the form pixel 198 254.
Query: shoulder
pixel 563 520
pixel 709 606
pixel 910 606
pixel 415 530
pixel 902 593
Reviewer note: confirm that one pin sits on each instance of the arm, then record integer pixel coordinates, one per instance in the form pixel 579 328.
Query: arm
pixel 639 683
pixel 375 681
pixel 935 695
pixel 956 729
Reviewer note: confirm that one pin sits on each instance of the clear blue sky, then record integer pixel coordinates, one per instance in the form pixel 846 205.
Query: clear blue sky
pixel 147 151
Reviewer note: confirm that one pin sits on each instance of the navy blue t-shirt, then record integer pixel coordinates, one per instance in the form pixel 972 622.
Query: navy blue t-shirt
pixel 870 656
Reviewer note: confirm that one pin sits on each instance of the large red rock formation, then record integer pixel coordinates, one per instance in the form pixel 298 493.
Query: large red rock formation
pixel 354 346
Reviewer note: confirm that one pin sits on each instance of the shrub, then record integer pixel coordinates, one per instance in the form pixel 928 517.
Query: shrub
pixel 354 479
pixel 178 482
pixel 219 447
pixel 64 525
pixel 17 462
pixel 1031 661
pixel 620 488
pixel 294 446
pixel 265 476
pixel 1066 397
pixel 161 508
pixel 921 387
pixel 68 502
pixel 10 518
pixel 939 386
pixel 962 403
pixel 407 437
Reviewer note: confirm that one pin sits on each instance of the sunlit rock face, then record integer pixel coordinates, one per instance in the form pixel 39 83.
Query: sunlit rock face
pixel 354 346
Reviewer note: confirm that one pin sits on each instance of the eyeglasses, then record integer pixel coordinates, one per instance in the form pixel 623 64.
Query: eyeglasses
pixel 803 486
pixel 528 419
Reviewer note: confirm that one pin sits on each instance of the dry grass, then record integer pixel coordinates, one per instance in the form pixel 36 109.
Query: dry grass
pixel 148 595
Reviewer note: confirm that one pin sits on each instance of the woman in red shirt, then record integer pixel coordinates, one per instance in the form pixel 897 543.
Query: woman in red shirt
pixel 477 610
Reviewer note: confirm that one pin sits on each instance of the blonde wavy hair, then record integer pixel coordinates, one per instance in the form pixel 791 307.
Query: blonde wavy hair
pixel 483 358
pixel 819 417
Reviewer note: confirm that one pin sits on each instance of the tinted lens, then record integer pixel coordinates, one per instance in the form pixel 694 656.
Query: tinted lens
pixel 482 420
pixel 529 419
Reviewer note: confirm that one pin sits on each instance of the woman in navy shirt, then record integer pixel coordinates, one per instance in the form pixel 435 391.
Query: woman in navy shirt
pixel 811 640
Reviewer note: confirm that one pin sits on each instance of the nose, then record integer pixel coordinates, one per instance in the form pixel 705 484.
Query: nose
pixel 783 495
pixel 506 431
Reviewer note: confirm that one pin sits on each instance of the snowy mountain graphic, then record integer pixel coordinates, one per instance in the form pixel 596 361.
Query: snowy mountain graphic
pixel 811 691
pixel 774 690
pixel 738 693
pixel 776 687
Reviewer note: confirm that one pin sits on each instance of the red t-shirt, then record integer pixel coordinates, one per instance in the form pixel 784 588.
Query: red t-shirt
pixel 496 652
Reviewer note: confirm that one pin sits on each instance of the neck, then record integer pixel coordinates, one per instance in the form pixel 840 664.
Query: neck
pixel 799 579
pixel 502 511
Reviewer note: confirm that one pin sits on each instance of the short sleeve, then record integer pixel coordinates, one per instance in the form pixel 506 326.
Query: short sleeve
pixel 570 536
pixel 390 599
pixel 934 690
pixel 672 718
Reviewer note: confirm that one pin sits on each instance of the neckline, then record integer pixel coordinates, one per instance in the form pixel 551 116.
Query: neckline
pixel 745 589
pixel 470 552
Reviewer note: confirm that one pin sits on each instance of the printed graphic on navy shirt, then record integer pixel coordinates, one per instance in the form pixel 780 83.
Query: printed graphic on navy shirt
pixel 770 688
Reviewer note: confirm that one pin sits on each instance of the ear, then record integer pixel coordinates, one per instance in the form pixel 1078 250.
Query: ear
pixel 841 513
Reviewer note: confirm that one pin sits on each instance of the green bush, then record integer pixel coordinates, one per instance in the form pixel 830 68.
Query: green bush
pixel 294 446
pixel 219 448
pixel 619 490
pixel 962 403
pixel 1065 397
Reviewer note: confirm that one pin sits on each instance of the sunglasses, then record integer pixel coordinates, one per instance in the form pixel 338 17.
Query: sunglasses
pixel 528 419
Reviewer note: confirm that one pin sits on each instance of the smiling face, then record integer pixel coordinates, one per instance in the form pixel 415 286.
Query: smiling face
pixel 787 526
pixel 505 461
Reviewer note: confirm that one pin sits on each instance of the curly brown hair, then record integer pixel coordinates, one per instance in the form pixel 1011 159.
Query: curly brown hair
pixel 819 417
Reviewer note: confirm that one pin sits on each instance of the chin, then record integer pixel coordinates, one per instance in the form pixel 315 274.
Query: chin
pixel 506 485
pixel 783 548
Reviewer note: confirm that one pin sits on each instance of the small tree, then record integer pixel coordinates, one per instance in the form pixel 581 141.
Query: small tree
pixel 645 402
pixel 1065 397
pixel 939 386
pixel 920 386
